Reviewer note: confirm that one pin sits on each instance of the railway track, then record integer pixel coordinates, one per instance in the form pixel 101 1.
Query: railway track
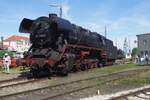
pixel 121 76
pixel 11 86
pixel 20 81
pixel 142 93
pixel 58 90
pixel 12 81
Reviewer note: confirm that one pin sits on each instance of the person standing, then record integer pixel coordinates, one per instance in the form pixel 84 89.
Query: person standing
pixel 146 59
pixel 6 62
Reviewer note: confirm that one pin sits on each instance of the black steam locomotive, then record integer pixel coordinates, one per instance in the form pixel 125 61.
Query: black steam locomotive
pixel 59 46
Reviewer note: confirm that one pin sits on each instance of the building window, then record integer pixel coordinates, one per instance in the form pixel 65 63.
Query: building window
pixel 144 42
pixel 26 42
pixel 19 42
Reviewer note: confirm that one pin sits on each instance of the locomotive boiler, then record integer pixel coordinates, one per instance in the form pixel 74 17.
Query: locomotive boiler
pixel 59 47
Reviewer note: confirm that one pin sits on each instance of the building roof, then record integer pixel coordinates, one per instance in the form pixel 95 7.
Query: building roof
pixel 16 38
pixel 143 34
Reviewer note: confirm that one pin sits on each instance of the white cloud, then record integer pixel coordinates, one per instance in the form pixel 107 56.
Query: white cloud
pixel 119 29
pixel 131 25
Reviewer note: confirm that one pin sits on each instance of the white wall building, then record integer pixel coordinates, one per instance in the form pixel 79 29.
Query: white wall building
pixel 17 43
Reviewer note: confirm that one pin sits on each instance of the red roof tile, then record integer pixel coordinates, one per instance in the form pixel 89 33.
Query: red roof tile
pixel 16 38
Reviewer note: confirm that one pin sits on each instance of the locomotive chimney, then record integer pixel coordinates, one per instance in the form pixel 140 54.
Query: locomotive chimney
pixel 52 15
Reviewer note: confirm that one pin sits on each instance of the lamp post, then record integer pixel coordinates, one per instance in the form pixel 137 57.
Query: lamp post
pixel 2 38
pixel 105 31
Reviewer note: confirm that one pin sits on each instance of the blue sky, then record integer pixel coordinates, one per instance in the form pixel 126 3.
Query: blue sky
pixel 123 18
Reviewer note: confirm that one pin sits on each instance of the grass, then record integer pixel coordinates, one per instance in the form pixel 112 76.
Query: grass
pixel 100 71
pixel 116 68
pixel 136 81
pixel 15 70
pixel 140 79
pixel 96 71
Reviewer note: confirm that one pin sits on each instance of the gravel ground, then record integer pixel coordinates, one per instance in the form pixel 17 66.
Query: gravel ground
pixel 25 87
pixel 58 80
pixel 104 89
pixel 38 95
pixel 8 76
pixel 131 97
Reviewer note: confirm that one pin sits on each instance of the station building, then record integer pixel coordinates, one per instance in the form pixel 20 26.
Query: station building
pixel 17 43
pixel 144 44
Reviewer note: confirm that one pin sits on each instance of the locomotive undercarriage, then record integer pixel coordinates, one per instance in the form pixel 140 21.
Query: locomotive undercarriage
pixel 72 58
pixel 38 72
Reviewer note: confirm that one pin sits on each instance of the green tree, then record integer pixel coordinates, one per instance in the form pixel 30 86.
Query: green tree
pixel 2 52
pixel 134 52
